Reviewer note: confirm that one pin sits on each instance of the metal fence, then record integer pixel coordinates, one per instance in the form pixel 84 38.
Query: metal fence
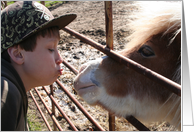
pixel 172 86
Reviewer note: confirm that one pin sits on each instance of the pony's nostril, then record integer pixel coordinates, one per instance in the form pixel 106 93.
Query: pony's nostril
pixel 82 68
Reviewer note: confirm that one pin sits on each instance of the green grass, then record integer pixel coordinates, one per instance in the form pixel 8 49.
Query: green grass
pixel 10 2
pixel 33 124
pixel 51 3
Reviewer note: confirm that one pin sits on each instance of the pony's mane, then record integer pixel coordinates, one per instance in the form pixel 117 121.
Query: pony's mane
pixel 158 17
pixel 152 18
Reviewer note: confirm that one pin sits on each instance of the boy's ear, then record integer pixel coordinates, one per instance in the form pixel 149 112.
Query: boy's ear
pixel 15 54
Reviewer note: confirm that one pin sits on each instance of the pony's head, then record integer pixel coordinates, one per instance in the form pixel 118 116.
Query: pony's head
pixel 154 43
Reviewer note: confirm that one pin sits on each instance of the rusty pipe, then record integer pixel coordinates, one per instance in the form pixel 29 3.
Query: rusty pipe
pixel 111 122
pixel 59 108
pixel 50 113
pixel 70 67
pixel 45 120
pixel 109 24
pixel 53 107
pixel 5 4
pixel 167 83
pixel 42 2
pixel 90 118
pixel 109 44
pixel 136 123
pixel 2 4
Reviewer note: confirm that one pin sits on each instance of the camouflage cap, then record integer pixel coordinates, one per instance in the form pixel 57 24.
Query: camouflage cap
pixel 24 18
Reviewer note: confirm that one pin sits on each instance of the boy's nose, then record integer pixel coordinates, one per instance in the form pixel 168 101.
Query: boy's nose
pixel 59 59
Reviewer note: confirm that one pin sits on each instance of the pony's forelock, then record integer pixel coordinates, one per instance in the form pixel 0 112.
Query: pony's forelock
pixel 152 18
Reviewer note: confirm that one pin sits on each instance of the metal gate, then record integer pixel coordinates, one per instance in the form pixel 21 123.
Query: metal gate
pixel 172 86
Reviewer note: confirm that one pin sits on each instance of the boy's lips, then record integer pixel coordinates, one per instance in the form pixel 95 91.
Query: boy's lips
pixel 60 71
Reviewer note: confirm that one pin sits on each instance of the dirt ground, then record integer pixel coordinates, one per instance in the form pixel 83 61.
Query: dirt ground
pixel 90 22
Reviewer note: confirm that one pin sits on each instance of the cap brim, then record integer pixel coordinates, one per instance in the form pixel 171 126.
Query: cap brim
pixel 60 22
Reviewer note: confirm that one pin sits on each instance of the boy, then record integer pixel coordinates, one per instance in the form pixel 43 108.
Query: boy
pixel 29 57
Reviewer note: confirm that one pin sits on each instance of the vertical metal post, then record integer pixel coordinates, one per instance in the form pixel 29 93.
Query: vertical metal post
pixel 109 44
pixel 5 3
pixel 2 5
pixel 111 122
pixel 109 24
pixel 53 106
pixel 42 2
pixel 137 123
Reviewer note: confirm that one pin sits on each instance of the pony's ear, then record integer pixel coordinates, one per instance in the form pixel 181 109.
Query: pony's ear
pixel 15 54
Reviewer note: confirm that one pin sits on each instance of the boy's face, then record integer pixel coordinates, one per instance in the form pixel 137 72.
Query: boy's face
pixel 42 66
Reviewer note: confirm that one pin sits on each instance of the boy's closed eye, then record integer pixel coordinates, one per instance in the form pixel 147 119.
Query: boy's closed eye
pixel 51 50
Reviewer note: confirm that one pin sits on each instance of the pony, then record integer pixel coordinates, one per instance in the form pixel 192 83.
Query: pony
pixel 155 42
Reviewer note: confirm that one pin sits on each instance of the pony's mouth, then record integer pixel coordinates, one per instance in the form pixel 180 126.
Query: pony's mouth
pixel 86 89
pixel 78 87
pixel 85 81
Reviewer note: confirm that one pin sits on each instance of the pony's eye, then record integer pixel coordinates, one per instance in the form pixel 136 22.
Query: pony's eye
pixel 146 51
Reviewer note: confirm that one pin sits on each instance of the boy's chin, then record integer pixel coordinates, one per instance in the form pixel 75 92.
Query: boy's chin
pixel 48 84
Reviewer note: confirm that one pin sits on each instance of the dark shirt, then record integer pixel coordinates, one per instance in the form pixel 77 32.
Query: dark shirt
pixel 13 99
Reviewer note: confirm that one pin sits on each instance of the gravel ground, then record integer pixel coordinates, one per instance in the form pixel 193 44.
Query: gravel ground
pixel 90 22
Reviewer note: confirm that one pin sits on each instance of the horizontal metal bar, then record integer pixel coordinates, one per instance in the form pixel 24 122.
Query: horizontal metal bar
pixel 59 108
pixel 90 118
pixel 50 113
pixel 70 67
pixel 45 120
pixel 167 83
